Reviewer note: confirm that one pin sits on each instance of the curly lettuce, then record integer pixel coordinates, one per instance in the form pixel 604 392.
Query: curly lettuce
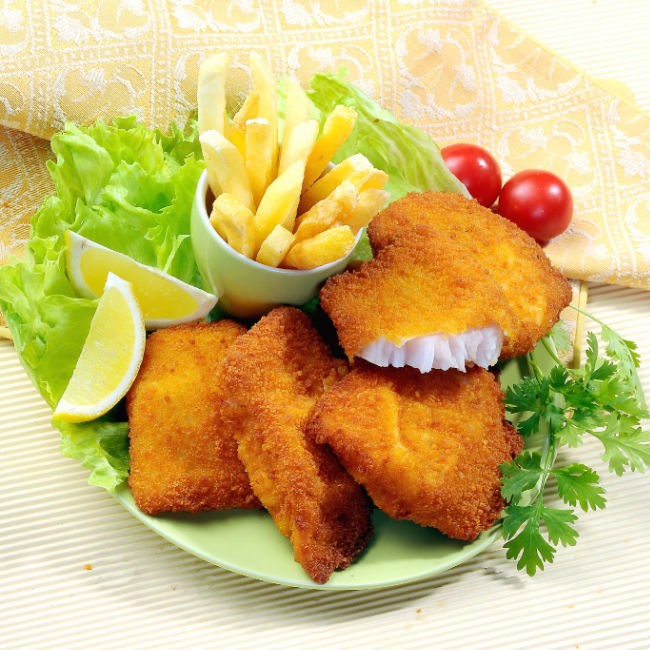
pixel 129 188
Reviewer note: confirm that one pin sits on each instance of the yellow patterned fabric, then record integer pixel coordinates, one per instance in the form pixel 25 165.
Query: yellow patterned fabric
pixel 453 67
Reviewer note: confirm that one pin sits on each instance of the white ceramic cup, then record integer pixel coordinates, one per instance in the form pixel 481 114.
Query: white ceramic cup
pixel 248 289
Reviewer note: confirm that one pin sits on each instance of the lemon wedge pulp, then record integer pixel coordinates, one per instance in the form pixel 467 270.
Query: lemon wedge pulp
pixel 110 358
pixel 163 299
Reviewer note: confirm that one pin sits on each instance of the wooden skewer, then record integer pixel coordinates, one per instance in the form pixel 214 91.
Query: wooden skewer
pixel 580 325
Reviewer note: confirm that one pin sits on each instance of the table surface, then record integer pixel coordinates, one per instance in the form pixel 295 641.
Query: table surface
pixel 77 571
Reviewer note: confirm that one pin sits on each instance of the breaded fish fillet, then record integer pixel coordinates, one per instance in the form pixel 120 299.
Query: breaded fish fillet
pixel 272 377
pixel 536 291
pixel 426 299
pixel 182 456
pixel 427 447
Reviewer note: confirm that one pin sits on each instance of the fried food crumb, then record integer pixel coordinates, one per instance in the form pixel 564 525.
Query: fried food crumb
pixel 427 447
pixel 183 457
pixel 422 283
pixel 536 291
pixel 273 376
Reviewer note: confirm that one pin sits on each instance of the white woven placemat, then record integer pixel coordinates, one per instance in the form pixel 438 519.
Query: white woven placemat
pixel 77 571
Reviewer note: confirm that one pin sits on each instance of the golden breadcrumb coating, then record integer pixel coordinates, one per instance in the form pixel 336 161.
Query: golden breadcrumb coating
pixel 427 447
pixel 182 456
pixel 422 283
pixel 272 377
pixel 536 291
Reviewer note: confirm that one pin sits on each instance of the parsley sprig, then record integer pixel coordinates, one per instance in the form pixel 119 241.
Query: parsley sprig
pixel 604 399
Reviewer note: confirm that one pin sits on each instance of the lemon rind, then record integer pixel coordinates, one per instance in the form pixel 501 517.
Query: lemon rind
pixel 67 411
pixel 75 246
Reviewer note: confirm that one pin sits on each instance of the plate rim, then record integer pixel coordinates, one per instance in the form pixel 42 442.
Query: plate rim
pixel 469 550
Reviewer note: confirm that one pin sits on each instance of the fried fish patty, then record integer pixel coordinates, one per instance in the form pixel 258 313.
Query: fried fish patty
pixel 272 377
pixel 427 447
pixel 422 283
pixel 182 456
pixel 536 291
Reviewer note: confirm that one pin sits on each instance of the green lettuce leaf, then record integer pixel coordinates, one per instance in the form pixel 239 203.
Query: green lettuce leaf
pixel 409 156
pixel 100 445
pixel 363 250
pixel 128 188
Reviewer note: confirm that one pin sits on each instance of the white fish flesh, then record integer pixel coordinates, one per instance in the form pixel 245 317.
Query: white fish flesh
pixel 479 346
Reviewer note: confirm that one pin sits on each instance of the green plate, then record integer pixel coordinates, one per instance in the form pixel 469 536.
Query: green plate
pixel 247 542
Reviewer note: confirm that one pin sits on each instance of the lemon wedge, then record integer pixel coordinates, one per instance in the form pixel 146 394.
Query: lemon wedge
pixel 110 358
pixel 163 299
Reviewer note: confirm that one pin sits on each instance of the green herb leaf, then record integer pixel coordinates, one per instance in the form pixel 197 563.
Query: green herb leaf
pixel 529 544
pixel 558 524
pixel 620 348
pixel 626 445
pixel 561 338
pixel 591 353
pixel 521 474
pixel 577 483
pixel 529 396
pixel 603 399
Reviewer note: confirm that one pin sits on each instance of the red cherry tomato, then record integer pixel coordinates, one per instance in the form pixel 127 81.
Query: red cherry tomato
pixel 476 169
pixel 538 202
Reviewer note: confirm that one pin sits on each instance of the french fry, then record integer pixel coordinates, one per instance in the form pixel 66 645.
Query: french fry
pixel 218 223
pixel 259 153
pixel 370 179
pixel 211 94
pixel 247 111
pixel 235 223
pixel 275 247
pixel 368 205
pixel 322 216
pixel 331 211
pixel 298 145
pixel 297 108
pixel 325 185
pixel 279 203
pixel 337 128
pixel 324 248
pixel 264 85
pixel 225 166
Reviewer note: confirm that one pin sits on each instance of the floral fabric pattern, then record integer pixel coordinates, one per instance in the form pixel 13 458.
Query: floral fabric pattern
pixel 453 67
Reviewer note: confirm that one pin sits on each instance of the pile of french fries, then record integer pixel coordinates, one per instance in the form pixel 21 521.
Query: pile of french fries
pixel 276 200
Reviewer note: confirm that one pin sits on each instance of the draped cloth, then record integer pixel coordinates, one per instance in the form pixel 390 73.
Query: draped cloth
pixel 453 67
